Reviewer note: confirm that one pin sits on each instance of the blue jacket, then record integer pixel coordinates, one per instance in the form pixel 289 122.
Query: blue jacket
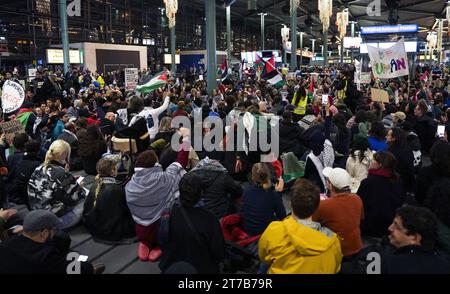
pixel 57 130
pixel 377 145
pixel 260 208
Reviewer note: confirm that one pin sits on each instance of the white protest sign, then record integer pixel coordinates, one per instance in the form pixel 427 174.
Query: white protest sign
pixel 365 78
pixel 12 96
pixel 31 74
pixel 131 78
pixel 389 63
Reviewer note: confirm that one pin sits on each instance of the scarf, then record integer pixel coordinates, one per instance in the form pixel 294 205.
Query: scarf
pixel 380 172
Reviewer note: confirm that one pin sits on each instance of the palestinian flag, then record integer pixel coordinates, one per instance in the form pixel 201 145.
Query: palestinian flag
pixel 152 83
pixel 274 78
pixel 270 65
pixel 222 73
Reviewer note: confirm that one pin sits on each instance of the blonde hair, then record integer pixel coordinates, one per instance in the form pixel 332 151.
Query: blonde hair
pixel 165 124
pixel 261 175
pixel 104 169
pixel 59 150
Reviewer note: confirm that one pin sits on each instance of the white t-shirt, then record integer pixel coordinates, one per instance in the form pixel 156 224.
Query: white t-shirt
pixel 151 115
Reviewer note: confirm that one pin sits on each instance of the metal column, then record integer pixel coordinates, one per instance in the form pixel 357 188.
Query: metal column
pixel 173 41
pixel 353 35
pixel 325 48
pixel 301 49
pixel 293 36
pixel 342 51
pixel 313 47
pixel 263 33
pixel 229 33
pixel 210 9
pixel 64 36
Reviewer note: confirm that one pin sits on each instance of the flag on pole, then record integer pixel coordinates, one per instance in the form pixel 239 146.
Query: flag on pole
pixel 222 73
pixel 270 65
pixel 150 84
pixel 274 78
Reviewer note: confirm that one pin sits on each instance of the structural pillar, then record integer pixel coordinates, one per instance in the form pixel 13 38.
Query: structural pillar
pixel 293 36
pixel 210 9
pixel 342 51
pixel 353 35
pixel 64 36
pixel 263 33
pixel 172 49
pixel 301 49
pixel 229 32
pixel 313 49
pixel 325 48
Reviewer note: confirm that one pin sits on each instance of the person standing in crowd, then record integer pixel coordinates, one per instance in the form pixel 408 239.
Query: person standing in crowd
pixel 262 201
pixel 425 127
pixel 397 145
pixel 290 136
pixel 106 214
pixel 192 227
pixel 382 193
pixel 52 187
pixel 298 245
pixel 342 212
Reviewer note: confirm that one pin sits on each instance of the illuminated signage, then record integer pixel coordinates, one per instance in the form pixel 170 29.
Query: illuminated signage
pixel 56 56
pixel 393 29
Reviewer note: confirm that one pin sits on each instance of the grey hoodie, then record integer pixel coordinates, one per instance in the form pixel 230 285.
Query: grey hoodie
pixel 150 190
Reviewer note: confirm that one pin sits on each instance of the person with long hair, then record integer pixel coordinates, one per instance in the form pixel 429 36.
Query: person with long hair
pixel 92 147
pixel 262 200
pixel 106 214
pixel 358 162
pixel 382 193
pixel 397 145
pixel 52 187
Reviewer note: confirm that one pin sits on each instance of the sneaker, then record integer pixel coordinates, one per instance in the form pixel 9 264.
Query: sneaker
pixel 155 254
pixel 143 251
pixel 99 268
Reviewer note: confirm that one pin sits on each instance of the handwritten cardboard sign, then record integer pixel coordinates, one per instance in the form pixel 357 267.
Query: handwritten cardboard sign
pixel 379 95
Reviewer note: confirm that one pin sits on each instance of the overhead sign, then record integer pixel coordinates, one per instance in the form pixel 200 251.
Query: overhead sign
pixel 12 96
pixel 168 58
pixel 131 78
pixel 56 56
pixel 392 29
pixel 389 63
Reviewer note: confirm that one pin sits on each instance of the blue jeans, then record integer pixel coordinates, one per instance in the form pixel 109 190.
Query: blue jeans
pixel 73 217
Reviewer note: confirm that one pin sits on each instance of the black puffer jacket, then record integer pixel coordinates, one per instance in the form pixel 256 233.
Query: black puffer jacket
pixel 290 136
pixel 425 128
pixel 18 187
pixel 219 188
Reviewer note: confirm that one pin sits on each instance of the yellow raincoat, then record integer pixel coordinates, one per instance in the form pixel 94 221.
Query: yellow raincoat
pixel 292 248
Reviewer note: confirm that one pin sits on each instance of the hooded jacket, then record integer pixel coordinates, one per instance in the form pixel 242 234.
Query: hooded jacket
pixel 217 185
pixel 291 247
pixel 150 190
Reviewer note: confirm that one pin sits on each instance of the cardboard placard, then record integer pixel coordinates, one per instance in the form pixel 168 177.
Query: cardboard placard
pixel 131 78
pixel 379 95
pixel 11 128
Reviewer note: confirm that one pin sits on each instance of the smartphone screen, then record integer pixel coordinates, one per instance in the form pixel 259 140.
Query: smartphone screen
pixel 324 99
pixel 440 131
